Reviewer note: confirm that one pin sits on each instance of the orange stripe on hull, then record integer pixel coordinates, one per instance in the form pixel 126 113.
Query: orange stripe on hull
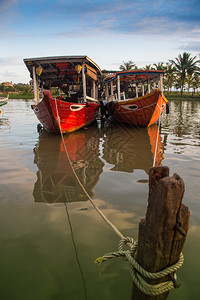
pixel 142 111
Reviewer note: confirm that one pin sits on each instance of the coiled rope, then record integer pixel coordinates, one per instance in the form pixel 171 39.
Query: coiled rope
pixel 138 272
pixel 136 269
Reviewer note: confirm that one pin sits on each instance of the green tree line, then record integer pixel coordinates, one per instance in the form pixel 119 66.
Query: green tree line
pixel 181 74
pixel 19 87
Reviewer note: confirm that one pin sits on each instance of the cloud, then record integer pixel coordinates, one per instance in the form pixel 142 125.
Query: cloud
pixel 5 4
pixel 8 74
pixel 81 18
pixel 10 61
pixel 191 47
pixel 135 17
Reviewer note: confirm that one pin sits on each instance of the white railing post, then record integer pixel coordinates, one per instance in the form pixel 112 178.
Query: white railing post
pixel 143 89
pixel 136 90
pixel 118 87
pixel 149 88
pixel 106 92
pixel 161 82
pixel 93 89
pixel 35 86
pixel 111 90
pixel 84 83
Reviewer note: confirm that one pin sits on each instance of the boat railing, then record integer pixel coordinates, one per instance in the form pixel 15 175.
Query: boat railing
pixel 122 96
pixel 91 99
pixel 111 98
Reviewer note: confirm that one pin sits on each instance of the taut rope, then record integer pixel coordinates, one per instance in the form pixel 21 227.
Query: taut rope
pixel 84 190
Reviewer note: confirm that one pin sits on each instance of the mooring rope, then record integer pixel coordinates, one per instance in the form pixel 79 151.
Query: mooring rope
pixel 136 269
pixel 84 190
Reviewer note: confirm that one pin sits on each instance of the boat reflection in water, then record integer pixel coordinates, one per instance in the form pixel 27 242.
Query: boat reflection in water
pixel 129 148
pixel 4 123
pixel 56 181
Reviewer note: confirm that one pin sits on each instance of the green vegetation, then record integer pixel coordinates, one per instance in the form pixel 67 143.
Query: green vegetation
pixel 127 66
pixel 185 69
pixel 182 75
pixel 187 96
pixel 16 91
pixel 20 91
pixel 19 95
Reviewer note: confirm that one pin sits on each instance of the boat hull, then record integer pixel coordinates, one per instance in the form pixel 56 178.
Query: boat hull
pixel 143 111
pixel 72 116
pixel 3 101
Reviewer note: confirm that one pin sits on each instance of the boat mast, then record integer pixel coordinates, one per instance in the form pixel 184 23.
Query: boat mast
pixel 84 82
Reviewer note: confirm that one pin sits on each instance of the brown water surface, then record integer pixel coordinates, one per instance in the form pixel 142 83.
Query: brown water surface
pixel 50 234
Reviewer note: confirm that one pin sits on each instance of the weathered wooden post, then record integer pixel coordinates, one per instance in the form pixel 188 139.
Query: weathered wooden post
pixel 163 232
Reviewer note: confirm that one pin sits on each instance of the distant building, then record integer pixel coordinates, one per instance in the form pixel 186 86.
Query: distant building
pixel 8 84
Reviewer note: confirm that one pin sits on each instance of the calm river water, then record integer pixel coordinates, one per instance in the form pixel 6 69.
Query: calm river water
pixel 50 234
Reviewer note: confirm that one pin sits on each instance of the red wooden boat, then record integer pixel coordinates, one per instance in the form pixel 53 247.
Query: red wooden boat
pixel 3 101
pixel 129 97
pixel 76 79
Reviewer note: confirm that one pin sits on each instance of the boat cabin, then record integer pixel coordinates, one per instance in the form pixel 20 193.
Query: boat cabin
pixel 76 77
pixel 128 85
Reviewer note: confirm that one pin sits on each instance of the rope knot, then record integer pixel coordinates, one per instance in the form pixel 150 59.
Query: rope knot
pixel 139 273
pixel 98 261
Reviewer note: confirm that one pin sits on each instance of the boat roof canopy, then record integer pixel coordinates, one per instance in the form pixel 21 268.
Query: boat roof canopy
pixel 57 68
pixel 135 76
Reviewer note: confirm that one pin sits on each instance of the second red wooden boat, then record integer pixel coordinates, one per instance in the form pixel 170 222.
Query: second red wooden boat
pixel 129 97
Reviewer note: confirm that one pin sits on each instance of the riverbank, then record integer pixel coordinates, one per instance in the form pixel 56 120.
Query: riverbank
pixel 184 97
pixel 19 95
pixel 171 96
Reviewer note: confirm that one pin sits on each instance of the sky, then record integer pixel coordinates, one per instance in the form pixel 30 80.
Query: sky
pixel 109 32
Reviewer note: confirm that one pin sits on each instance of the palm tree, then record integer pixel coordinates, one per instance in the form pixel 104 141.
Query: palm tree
pixel 195 83
pixel 188 81
pixel 169 76
pixel 148 67
pixel 185 65
pixel 159 66
pixel 127 66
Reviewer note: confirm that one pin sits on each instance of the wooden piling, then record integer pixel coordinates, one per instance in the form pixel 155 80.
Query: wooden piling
pixel 163 231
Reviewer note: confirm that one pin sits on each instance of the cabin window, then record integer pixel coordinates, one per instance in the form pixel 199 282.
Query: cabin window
pixel 134 107
pixel 76 107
